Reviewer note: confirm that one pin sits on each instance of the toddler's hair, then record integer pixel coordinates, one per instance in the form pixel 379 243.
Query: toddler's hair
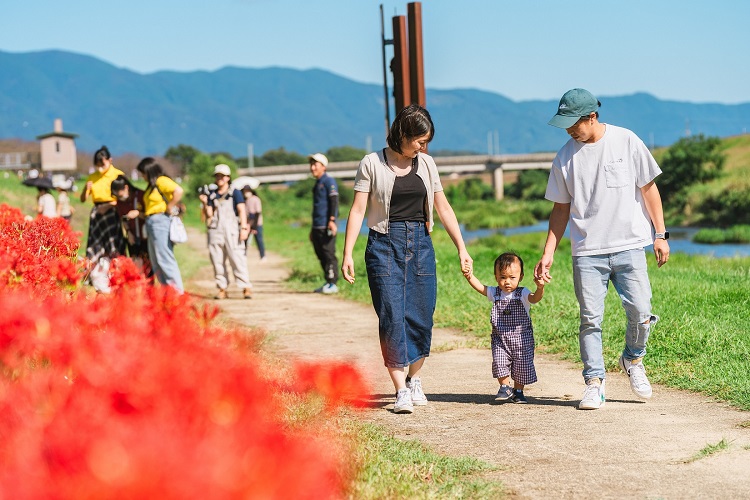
pixel 506 259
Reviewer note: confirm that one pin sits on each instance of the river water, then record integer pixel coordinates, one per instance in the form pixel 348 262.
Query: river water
pixel 680 240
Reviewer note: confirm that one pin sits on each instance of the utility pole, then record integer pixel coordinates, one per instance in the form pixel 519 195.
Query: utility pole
pixel 416 54
pixel 385 42
pixel 407 64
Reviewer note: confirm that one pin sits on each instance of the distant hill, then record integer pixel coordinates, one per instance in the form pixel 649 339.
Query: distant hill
pixel 303 111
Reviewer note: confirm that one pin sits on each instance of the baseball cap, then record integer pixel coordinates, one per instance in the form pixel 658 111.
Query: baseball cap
pixel 222 169
pixel 573 105
pixel 319 158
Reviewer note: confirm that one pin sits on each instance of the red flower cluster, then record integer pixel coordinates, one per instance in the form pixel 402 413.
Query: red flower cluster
pixel 137 395
pixel 40 253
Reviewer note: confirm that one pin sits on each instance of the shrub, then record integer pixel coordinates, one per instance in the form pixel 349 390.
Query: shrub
pixel 690 160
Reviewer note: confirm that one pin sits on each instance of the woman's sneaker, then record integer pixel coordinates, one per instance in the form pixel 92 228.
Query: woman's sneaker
pixel 403 402
pixel 417 394
pixel 593 395
pixel 637 374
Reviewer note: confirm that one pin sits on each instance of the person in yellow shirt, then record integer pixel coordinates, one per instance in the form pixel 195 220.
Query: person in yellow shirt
pixel 161 202
pixel 105 240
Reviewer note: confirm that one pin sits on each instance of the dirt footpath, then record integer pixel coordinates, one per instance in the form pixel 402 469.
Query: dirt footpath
pixel 546 449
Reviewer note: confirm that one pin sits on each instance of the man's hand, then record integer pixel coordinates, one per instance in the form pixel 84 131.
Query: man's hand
pixel 542 268
pixel 661 251
pixel 332 228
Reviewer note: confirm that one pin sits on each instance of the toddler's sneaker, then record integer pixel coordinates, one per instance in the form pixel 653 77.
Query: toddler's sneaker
pixel 403 402
pixel 593 395
pixel 518 397
pixel 505 393
pixel 637 374
pixel 417 394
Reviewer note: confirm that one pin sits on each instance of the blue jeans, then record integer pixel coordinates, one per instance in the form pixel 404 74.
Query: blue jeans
pixel 628 273
pixel 403 285
pixel 161 251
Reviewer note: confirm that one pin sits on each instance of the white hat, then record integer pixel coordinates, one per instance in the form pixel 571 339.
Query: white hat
pixel 222 169
pixel 65 184
pixel 319 157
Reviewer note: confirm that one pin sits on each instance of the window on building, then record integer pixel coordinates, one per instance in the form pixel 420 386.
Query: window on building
pixel 57 146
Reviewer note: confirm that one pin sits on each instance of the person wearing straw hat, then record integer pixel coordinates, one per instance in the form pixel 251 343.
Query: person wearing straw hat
pixel 602 183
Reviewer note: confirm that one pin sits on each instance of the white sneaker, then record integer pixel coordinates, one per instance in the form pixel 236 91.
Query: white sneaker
pixel 417 394
pixel 593 396
pixel 330 288
pixel 403 402
pixel 638 380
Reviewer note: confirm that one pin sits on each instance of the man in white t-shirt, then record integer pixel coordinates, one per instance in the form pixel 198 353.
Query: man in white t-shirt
pixel 602 182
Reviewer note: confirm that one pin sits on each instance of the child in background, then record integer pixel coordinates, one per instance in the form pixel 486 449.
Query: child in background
pixel 512 333
pixel 46 204
pixel 64 208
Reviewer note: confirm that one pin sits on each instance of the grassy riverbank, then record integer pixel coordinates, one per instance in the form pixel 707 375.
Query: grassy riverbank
pixel 701 343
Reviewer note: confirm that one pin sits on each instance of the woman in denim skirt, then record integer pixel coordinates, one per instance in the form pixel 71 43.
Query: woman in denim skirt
pixel 398 187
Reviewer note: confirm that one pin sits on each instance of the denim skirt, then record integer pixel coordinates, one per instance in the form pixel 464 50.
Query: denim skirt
pixel 403 285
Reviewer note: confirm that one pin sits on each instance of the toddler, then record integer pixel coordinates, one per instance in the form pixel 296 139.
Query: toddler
pixel 512 333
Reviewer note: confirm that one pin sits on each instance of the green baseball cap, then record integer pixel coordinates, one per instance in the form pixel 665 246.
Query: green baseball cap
pixel 573 105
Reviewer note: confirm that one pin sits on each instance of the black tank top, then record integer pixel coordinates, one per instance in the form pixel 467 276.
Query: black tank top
pixel 408 198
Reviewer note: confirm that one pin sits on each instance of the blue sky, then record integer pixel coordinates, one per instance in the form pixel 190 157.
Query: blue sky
pixel 535 49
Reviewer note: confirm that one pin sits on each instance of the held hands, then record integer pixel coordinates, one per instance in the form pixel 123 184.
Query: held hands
pixel 540 282
pixel 467 263
pixel 541 270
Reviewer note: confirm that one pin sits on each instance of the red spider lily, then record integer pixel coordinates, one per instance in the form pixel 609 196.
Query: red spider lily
pixel 139 394
pixel 339 383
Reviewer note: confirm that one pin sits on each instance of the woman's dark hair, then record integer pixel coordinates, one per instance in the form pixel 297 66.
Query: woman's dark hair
pixel 506 259
pixel 151 170
pixel 253 191
pixel 412 121
pixel 119 184
pixel 101 154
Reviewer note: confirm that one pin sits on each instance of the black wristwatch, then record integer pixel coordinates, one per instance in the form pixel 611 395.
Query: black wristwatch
pixel 662 236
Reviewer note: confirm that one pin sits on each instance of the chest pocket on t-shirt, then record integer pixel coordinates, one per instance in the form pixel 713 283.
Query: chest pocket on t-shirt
pixel 617 174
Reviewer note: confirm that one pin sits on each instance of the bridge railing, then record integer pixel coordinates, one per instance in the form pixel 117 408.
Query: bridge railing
pixel 496 164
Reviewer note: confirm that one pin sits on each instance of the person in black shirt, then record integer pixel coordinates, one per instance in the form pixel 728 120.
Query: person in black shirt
pixel 324 214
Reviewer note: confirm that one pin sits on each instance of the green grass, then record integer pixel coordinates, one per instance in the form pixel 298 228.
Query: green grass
pixel 701 344
pixel 735 234
pixel 708 450
pixel 394 468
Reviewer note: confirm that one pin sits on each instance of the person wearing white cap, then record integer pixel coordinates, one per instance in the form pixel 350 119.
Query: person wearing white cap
pixel 228 230
pixel 602 183
pixel 324 228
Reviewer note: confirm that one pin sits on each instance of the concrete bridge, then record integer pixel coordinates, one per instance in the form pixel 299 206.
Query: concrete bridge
pixel 496 164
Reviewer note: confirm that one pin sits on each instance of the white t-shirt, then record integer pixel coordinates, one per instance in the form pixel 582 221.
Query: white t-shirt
pixel 602 182
pixel 525 292
pixel 48 205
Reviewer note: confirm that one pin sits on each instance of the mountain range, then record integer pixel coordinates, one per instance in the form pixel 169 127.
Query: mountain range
pixel 300 110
